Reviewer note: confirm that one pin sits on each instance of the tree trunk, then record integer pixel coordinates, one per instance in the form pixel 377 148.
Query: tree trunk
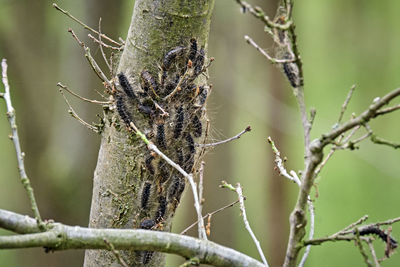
pixel 132 187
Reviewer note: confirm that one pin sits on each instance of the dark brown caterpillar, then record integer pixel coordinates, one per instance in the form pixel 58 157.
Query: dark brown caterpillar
pixel 197 126
pixel 193 49
pixel 291 71
pixel 161 209
pixel 172 55
pixel 190 143
pixel 160 136
pixel 126 86
pixel 147 255
pixel 179 118
pixel 145 195
pixel 147 224
pixel 149 84
pixel 122 111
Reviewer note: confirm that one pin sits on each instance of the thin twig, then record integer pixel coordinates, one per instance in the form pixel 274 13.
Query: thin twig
pixel 361 248
pixel 93 64
pixel 101 48
pixel 104 44
pixel 81 97
pixel 310 235
pixel 380 141
pixel 116 253
pixel 260 14
pixel 72 112
pixel 248 129
pixel 262 51
pixel 387 110
pixel 201 178
pixel 279 164
pixel 189 177
pixel 84 25
pixel 373 253
pixel 346 103
pixel 209 214
pixel 247 225
pixel 15 138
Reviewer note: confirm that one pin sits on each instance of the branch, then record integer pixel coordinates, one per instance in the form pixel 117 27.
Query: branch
pixel 14 137
pixel 238 190
pixel 84 25
pixel 62 237
pixel 248 129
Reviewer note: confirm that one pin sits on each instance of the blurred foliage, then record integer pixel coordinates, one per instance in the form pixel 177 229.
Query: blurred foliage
pixel 342 43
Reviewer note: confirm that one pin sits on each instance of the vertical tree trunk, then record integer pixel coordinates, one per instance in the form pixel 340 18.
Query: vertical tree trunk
pixel 132 188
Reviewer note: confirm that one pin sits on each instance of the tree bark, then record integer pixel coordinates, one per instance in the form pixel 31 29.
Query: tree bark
pixel 128 188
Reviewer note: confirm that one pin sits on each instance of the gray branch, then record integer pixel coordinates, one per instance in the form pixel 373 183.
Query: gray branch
pixel 62 237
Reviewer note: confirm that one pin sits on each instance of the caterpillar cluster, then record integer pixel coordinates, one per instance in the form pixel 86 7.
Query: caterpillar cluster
pixel 169 107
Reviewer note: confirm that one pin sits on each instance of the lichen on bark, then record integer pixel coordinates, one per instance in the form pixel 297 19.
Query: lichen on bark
pixel 129 190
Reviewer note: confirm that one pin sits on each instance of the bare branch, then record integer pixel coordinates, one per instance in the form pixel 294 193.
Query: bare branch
pixel 346 103
pixel 260 14
pixel 101 48
pixel 81 97
pixel 104 44
pixel 373 253
pixel 93 64
pixel 387 110
pixel 72 112
pixel 15 138
pixel 380 141
pixel 280 166
pixel 265 54
pixel 84 25
pixel 248 129
pixel 209 214
pixel 62 237
pixel 238 190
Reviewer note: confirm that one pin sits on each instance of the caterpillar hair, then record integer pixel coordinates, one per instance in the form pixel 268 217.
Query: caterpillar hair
pixel 145 195
pixel 126 86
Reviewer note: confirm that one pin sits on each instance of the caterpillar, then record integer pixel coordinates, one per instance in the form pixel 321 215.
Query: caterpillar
pixel 197 126
pixel 145 195
pixel 179 118
pixel 161 209
pixel 160 136
pixel 126 86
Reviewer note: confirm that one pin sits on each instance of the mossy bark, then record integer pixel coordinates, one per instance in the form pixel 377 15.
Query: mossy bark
pixel 122 171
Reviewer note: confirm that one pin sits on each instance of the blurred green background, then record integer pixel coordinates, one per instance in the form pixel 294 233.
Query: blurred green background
pixel 342 43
